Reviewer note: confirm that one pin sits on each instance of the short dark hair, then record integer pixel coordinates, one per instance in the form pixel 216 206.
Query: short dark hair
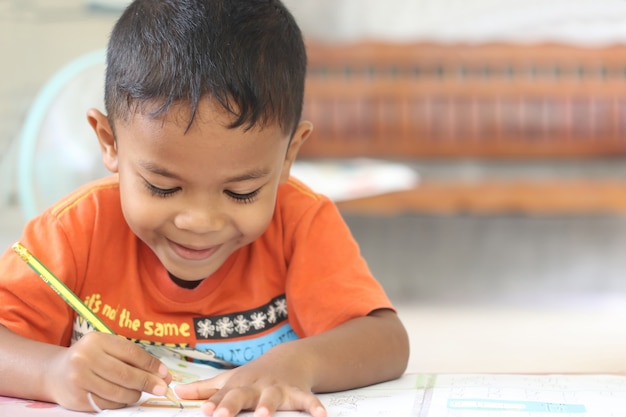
pixel 248 55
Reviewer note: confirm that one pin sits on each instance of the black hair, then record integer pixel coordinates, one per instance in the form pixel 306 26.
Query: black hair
pixel 248 55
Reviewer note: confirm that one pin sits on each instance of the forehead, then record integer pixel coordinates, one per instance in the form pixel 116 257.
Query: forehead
pixel 170 141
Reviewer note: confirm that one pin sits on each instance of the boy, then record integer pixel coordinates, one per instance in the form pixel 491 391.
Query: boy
pixel 201 240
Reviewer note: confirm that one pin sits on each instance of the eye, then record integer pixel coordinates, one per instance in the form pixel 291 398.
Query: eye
pixel 160 192
pixel 243 198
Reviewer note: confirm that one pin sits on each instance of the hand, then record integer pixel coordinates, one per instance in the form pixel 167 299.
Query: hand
pixel 284 377
pixel 264 385
pixel 114 370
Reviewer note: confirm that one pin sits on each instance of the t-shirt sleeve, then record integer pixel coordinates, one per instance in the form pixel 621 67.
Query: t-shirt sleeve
pixel 28 306
pixel 328 281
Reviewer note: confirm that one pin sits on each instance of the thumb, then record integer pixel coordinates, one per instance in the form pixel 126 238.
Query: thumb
pixel 201 390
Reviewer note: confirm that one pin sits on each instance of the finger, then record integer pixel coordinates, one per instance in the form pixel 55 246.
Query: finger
pixel 112 392
pixel 94 372
pixel 271 398
pixel 228 403
pixel 201 390
pixel 136 356
pixel 318 410
pixel 195 391
pixel 302 400
pixel 125 380
pixel 129 366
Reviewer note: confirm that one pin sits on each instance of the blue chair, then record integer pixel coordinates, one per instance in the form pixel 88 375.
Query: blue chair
pixel 57 149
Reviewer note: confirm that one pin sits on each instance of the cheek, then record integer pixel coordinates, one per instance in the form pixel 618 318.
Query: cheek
pixel 138 212
pixel 254 224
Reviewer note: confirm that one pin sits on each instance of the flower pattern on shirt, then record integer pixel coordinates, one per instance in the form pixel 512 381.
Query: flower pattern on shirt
pixel 242 323
pixel 205 328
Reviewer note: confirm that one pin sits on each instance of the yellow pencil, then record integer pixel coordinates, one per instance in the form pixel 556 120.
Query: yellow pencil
pixel 72 299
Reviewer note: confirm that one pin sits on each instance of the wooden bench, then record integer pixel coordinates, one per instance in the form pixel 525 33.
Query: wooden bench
pixel 428 101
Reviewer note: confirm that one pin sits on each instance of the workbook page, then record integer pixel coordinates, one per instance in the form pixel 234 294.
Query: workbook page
pixel 525 395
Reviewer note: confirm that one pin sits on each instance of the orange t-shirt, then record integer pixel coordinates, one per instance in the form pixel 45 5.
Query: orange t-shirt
pixel 303 276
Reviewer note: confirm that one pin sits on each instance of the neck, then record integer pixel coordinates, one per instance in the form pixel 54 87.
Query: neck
pixel 190 285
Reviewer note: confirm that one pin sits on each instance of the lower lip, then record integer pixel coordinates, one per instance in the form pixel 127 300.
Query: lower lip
pixel 192 254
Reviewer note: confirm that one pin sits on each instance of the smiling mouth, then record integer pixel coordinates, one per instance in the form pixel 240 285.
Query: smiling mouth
pixel 192 254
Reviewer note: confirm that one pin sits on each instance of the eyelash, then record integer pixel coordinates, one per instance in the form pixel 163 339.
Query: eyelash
pixel 243 198
pixel 239 198
pixel 160 192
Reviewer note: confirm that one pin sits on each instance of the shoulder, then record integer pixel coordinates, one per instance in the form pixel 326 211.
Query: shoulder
pixel 95 205
pixel 295 192
pixel 296 200
pixel 298 207
pixel 86 221
pixel 102 194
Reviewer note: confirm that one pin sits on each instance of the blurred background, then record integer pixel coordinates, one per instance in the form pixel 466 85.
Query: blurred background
pixel 476 149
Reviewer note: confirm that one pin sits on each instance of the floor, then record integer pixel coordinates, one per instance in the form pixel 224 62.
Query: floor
pixel 492 293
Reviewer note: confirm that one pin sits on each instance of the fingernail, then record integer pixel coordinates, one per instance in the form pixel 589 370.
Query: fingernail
pixel 160 390
pixel 208 408
pixel 221 412
pixel 261 412
pixel 319 411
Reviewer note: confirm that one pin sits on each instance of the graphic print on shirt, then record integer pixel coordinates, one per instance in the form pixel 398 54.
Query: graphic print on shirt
pixel 245 323
pixel 220 332
pixel 219 340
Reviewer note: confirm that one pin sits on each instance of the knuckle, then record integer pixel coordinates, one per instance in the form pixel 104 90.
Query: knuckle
pixel 152 363
pixel 124 373
pixel 75 367
pixel 145 383
pixel 115 393
pixel 73 378
pixel 131 349
pixel 142 358
pixel 133 396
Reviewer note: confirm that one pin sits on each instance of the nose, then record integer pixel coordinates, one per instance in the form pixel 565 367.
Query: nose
pixel 201 218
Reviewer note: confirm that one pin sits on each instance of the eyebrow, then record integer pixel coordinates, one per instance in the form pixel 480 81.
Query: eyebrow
pixel 252 175
pixel 155 169
pixel 247 176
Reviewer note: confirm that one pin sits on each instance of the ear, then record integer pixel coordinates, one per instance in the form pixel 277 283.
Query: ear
pixel 302 133
pixel 101 126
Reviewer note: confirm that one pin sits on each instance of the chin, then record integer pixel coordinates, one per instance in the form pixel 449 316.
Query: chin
pixel 190 276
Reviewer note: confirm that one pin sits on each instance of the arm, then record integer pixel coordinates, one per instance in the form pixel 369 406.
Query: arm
pixel 112 368
pixel 360 352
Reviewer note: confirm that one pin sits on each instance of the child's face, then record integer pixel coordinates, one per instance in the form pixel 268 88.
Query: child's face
pixel 195 196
